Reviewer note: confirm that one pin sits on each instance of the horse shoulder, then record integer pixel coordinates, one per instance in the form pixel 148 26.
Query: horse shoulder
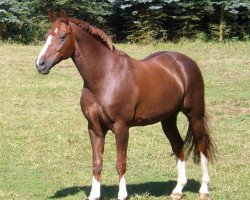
pixel 91 110
pixel 119 92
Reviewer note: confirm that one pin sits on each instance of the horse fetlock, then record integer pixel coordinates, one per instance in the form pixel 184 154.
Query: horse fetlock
pixel 122 194
pixel 95 190
pixel 182 181
pixel 204 188
pixel 122 198
pixel 178 189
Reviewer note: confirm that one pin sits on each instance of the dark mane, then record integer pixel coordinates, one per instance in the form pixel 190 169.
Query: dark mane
pixel 97 33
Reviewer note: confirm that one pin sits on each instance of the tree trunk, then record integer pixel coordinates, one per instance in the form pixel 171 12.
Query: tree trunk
pixel 222 25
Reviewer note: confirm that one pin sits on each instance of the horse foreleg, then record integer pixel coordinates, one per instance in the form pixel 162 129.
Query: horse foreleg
pixel 97 143
pixel 121 137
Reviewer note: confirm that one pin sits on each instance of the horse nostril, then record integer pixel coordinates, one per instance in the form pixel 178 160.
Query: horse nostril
pixel 42 65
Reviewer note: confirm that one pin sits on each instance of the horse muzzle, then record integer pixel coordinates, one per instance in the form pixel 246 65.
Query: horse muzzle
pixel 43 67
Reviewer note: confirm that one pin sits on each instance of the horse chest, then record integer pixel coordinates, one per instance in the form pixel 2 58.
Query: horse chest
pixel 106 108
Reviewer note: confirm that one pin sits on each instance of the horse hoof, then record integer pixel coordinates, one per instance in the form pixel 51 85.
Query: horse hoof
pixel 93 199
pixel 176 196
pixel 203 196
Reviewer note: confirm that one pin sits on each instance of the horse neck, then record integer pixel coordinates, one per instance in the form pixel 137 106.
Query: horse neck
pixel 91 58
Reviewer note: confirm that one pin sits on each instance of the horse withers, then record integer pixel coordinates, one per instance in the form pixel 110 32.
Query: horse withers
pixel 120 92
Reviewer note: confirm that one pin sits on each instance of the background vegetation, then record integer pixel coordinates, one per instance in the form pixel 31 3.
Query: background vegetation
pixel 132 20
pixel 45 150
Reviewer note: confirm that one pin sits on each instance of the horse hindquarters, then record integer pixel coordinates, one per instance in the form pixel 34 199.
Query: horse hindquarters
pixel 198 138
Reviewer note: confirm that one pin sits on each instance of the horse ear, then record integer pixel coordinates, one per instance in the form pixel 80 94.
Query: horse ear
pixel 64 16
pixel 52 16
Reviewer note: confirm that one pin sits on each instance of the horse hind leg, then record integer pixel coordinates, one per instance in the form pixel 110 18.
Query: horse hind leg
pixel 171 131
pixel 199 140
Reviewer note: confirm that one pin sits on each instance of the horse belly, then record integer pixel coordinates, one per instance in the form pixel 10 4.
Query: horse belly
pixel 155 111
pixel 159 98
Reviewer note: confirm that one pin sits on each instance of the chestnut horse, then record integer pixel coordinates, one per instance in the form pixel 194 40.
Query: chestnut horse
pixel 120 92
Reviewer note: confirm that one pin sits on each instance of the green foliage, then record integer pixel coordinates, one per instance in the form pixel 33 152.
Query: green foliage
pixel 230 19
pixel 14 21
pixel 93 11
pixel 175 19
pixel 143 20
pixel 27 21
pixel 187 18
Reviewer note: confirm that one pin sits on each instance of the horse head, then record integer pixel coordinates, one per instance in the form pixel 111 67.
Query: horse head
pixel 59 43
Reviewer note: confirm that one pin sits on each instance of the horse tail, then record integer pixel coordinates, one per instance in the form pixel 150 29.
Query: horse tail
pixel 191 142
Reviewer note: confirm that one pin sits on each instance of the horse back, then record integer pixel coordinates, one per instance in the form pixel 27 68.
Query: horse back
pixel 163 79
pixel 184 67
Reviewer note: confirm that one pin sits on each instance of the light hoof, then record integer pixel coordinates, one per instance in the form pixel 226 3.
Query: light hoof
pixel 176 196
pixel 203 196
pixel 121 199
pixel 93 199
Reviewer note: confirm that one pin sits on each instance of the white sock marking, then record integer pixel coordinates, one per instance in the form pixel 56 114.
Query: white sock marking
pixel 182 179
pixel 205 176
pixel 95 189
pixel 44 49
pixel 122 194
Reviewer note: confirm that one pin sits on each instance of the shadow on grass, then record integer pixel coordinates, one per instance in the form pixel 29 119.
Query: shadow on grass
pixel 155 189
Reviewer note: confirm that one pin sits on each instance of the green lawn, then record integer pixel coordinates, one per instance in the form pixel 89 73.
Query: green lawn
pixel 45 151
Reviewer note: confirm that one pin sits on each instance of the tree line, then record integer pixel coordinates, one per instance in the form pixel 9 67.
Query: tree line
pixel 132 20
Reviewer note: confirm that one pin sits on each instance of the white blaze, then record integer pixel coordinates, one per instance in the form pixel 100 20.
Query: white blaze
pixel 44 49
pixel 95 190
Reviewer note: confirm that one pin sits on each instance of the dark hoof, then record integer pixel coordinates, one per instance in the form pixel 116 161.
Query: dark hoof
pixel 203 196
pixel 176 196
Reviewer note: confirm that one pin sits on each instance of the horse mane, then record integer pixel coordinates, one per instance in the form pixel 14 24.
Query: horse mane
pixel 98 34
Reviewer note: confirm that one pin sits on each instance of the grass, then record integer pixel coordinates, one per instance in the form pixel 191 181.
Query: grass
pixel 45 151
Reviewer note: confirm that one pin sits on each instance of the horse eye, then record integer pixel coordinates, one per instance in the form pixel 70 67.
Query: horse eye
pixel 62 37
